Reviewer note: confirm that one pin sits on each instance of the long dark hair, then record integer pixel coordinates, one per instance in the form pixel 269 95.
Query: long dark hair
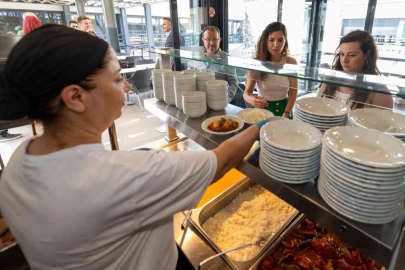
pixel 367 46
pixel 262 53
pixel 43 63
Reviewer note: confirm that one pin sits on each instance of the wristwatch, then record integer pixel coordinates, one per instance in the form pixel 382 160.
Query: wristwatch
pixel 288 113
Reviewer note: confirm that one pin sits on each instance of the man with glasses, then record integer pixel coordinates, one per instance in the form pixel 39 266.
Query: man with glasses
pixel 211 39
pixel 73 24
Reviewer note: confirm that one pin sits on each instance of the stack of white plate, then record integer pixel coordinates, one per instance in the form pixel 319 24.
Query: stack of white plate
pixel 168 86
pixel 383 120
pixel 290 151
pixel 158 82
pixel 183 84
pixel 217 94
pixel 202 77
pixel 191 71
pixel 194 103
pixel 322 113
pixel 363 174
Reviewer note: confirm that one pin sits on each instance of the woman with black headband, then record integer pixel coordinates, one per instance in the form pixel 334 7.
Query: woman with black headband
pixel 72 204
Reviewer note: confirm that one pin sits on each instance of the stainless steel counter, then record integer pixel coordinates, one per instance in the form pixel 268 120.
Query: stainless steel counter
pixel 377 241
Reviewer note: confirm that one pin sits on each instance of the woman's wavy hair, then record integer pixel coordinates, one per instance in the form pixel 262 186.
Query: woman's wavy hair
pixel 367 46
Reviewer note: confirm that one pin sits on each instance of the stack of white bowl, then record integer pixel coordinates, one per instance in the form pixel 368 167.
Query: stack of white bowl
pixel 363 174
pixel 194 103
pixel 217 94
pixel 168 86
pixel 290 151
pixel 183 84
pixel 202 77
pixel 191 71
pixel 383 120
pixel 158 82
pixel 322 113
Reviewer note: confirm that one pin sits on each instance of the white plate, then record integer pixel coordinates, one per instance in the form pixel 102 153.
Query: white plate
pixel 322 106
pixel 360 208
pixel 293 161
pixel 365 146
pixel 360 175
pixel 320 119
pixel 319 126
pixel 382 120
pixel 320 122
pixel 242 113
pixel 291 135
pixel 205 124
pixel 285 179
pixel 289 170
pixel 352 215
pixel 291 154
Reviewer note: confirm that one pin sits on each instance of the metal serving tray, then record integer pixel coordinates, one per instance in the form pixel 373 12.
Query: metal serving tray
pixel 200 215
pixel 275 244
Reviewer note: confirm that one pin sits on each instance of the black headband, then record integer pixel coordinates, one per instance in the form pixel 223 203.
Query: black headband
pixel 43 63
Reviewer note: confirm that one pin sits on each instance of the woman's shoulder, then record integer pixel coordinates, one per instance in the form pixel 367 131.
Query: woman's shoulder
pixel 291 60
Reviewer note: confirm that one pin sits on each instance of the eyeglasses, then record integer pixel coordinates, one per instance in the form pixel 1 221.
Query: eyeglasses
pixel 211 40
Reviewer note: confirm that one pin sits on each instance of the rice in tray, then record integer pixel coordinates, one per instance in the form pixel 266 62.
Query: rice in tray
pixel 253 214
pixel 254 116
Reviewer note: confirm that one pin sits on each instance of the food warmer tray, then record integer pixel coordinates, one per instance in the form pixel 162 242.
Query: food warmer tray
pixel 200 215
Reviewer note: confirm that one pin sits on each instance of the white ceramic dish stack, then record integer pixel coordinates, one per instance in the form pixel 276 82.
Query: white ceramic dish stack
pixel 168 86
pixel 183 84
pixel 383 120
pixel 191 71
pixel 363 174
pixel 202 77
pixel 322 113
pixel 158 82
pixel 194 103
pixel 290 151
pixel 217 94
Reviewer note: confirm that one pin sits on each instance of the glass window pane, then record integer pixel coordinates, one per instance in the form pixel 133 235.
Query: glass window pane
pixel 247 20
pixel 389 34
pixel 342 17
pixel 296 18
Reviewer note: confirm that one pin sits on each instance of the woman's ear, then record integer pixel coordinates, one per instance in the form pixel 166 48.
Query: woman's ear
pixel 72 96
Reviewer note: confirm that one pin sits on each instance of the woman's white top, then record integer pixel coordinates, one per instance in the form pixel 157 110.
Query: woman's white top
pixel 89 208
pixel 343 97
pixel 273 87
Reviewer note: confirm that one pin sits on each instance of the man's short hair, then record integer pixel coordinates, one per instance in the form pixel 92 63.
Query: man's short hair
pixel 211 28
pixel 167 19
pixel 72 21
pixel 82 18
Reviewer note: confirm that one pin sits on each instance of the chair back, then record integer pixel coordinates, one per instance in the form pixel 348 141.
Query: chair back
pixel 142 80
pixel 144 61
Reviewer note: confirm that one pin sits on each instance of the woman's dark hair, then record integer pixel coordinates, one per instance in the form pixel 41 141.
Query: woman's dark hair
pixel 262 53
pixel 43 63
pixel 367 46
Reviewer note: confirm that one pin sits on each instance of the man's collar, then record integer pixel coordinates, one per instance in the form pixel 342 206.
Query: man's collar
pixel 219 50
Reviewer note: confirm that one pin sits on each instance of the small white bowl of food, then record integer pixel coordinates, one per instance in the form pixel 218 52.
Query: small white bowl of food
pixel 222 125
pixel 254 115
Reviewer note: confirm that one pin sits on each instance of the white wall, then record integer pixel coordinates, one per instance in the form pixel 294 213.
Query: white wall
pixel 236 10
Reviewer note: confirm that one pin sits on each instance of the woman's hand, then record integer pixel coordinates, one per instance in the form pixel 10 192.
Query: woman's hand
pixel 286 115
pixel 258 102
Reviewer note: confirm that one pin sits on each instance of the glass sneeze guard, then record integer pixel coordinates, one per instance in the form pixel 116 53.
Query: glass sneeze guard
pixel 374 83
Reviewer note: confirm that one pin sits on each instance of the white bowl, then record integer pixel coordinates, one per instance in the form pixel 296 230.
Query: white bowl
pixel 191 71
pixel 185 79
pixel 168 76
pixel 322 106
pixel 194 96
pixel 202 89
pixel 241 114
pixel 205 76
pixel 217 105
pixel 216 85
pixel 217 93
pixel 205 124
pixel 382 120
pixel 158 72
pixel 168 83
pixel 366 146
pixel 291 135
pixel 169 94
pixel 195 112
pixel 170 100
pixel 201 83
pixel 186 87
pixel 157 84
pixel 217 99
pixel 194 105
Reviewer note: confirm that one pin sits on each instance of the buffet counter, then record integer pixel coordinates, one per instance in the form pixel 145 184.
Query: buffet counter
pixel 377 241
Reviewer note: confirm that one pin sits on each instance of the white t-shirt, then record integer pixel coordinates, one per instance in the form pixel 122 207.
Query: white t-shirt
pixel 89 208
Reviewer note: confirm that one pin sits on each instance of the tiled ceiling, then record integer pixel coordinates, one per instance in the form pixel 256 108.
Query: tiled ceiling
pixel 91 3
